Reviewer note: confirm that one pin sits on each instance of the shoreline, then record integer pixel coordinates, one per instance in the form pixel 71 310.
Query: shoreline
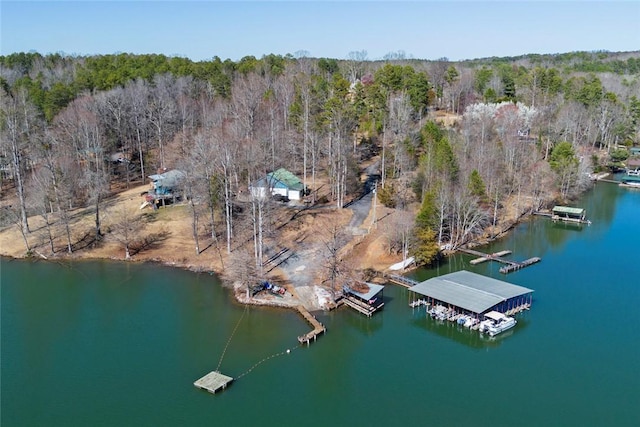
pixel 238 294
pixel 176 250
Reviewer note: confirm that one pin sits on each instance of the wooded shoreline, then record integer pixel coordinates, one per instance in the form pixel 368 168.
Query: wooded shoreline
pixel 342 166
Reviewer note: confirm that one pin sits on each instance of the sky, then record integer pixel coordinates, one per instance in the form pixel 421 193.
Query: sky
pixel 200 30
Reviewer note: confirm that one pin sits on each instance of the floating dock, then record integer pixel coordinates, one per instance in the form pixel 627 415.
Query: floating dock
pixel 318 328
pixel 489 258
pixel 213 382
pixel 518 265
pixel 509 267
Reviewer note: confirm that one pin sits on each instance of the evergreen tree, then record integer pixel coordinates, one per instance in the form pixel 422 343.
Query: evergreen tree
pixel 476 185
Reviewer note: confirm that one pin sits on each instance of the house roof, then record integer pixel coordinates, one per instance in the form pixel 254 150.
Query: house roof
pixel 168 179
pixel 372 292
pixel 469 291
pixel 285 177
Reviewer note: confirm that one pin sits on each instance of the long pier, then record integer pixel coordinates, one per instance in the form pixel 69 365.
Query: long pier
pixel 509 267
pixel 318 328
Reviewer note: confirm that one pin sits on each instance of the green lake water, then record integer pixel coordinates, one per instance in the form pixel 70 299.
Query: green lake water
pixel 115 344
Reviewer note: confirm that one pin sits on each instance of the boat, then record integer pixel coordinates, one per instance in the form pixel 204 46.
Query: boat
pixel 630 181
pixel 470 322
pixel 439 312
pixel 418 303
pixel 496 323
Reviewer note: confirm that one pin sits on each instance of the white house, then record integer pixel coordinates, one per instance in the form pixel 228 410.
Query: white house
pixel 280 182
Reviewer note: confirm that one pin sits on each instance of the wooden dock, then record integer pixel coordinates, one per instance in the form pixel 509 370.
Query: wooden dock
pixel 360 306
pixel 490 257
pixel 400 280
pixel 318 328
pixel 562 218
pixel 572 220
pixel 518 265
pixel 518 309
pixel 510 266
pixel 213 382
pixel 610 181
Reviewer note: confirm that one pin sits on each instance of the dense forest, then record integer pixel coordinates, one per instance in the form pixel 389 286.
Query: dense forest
pixel 459 144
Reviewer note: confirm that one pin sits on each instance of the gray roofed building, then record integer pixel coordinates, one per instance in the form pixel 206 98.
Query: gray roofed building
pixel 167 182
pixel 470 291
pixel 373 290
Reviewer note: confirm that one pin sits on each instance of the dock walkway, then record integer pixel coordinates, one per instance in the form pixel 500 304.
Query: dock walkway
pixel 318 328
pixel 489 258
pixel 400 280
pixel 509 267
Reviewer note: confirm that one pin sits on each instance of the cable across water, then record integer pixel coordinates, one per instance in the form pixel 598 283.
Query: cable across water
pixel 282 353
pixel 229 340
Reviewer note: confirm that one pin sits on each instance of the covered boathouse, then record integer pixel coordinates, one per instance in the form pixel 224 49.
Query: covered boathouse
pixel 367 298
pixel 566 213
pixel 464 292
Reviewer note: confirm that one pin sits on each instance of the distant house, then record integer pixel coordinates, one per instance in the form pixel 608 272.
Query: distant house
pixel 166 183
pixel 633 164
pixel 164 186
pixel 280 182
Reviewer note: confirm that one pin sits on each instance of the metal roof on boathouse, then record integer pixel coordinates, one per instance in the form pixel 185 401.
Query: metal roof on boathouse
pixel 469 291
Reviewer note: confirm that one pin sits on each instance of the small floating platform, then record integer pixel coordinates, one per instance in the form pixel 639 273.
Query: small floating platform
pixel 213 382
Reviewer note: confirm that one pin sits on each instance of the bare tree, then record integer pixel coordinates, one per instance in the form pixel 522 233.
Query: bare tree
pixel 13 213
pixel 43 195
pixel 240 269
pixel 17 128
pixel 137 93
pixel 468 220
pixel 161 111
pixel 125 227
pixel 334 265
pixel 355 68
pixel 399 231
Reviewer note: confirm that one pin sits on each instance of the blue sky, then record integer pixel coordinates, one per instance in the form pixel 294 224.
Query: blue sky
pixel 422 29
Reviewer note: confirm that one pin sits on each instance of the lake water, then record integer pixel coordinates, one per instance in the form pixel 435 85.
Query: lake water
pixel 103 343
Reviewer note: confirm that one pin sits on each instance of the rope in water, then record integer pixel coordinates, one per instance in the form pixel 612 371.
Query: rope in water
pixel 282 353
pixel 229 340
